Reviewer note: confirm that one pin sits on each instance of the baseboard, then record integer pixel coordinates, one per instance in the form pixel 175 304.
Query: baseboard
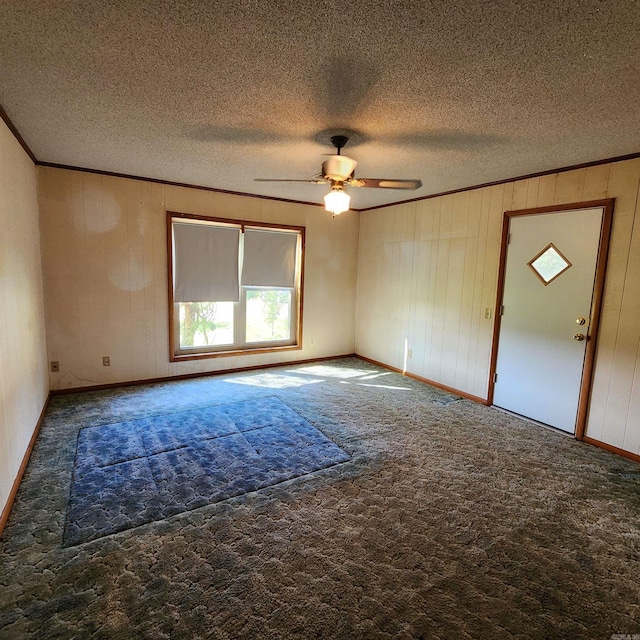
pixel 25 460
pixel 199 374
pixel 609 447
pixel 433 383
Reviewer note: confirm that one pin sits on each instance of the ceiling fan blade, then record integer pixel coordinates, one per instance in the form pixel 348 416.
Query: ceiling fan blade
pixel 314 181
pixel 384 183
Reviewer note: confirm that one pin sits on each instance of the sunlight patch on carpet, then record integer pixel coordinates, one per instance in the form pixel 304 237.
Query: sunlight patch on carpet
pixel 272 381
pixel 135 472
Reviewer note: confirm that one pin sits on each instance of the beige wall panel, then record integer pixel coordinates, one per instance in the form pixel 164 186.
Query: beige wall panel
pixel 101 215
pixel 415 332
pixel 596 182
pixel 387 282
pixel 148 216
pixel 495 200
pixel 454 323
pixel 407 257
pixel 23 376
pixel 618 426
pixel 547 190
pixel 330 277
pixel 432 285
pixel 427 271
pixel 395 341
pixel 58 228
pixel 390 241
pixel 454 267
pixel 439 300
pixel 105 264
pixel 507 200
pixel 533 189
pixel 139 279
pixel 117 288
pixel 472 292
pixel 632 434
pixel 520 193
pixel 222 205
pixel 624 178
pixel 570 186
pixel 391 250
pixel 160 343
pixel 425 283
pixel 370 307
pixel 82 285
pixel 434 244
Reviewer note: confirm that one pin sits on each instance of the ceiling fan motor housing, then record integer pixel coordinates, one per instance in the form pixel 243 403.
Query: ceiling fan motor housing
pixel 338 167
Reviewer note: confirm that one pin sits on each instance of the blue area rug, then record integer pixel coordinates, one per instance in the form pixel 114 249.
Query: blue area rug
pixel 131 473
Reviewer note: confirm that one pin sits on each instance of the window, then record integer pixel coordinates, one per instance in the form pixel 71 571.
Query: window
pixel 234 287
pixel 549 264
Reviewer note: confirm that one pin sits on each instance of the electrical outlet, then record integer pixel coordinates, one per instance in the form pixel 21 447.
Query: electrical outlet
pixel 106 361
pixel 488 313
pixel 313 341
pixel 55 366
pixel 409 353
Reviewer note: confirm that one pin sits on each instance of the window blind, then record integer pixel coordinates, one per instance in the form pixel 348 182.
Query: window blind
pixel 205 267
pixel 269 258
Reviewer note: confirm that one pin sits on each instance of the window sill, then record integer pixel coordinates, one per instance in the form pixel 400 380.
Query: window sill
pixel 179 357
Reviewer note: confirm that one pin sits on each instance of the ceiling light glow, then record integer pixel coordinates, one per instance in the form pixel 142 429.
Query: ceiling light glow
pixel 336 201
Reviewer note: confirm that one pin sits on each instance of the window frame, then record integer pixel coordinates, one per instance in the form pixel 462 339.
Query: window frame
pixel 178 354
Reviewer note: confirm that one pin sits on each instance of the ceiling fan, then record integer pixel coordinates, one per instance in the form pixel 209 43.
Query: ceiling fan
pixel 338 171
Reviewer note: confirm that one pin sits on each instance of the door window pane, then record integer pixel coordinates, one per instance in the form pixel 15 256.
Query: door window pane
pixel 268 315
pixel 206 324
pixel 549 264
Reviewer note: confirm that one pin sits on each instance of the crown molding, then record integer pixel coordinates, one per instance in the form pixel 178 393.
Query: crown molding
pixel 170 183
pixel 584 165
pixel 54 165
pixel 16 135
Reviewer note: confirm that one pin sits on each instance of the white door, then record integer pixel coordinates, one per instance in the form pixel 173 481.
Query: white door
pixel 548 290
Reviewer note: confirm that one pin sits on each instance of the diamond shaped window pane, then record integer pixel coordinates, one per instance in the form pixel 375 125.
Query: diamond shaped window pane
pixel 549 264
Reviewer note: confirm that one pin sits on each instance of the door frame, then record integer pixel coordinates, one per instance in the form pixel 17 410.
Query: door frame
pixel 596 304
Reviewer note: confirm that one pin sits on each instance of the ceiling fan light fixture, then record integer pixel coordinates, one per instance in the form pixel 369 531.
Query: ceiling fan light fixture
pixel 338 170
pixel 337 201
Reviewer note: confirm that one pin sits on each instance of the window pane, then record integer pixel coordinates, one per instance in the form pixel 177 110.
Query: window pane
pixel 549 264
pixel 206 324
pixel 205 262
pixel 268 315
pixel 269 258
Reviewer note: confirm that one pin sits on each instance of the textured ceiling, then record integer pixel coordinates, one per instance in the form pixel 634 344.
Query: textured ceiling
pixel 219 93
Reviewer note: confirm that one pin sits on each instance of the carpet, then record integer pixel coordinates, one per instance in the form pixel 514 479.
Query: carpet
pixel 450 520
pixel 130 473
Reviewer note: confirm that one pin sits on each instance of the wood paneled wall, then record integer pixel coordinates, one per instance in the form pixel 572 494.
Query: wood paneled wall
pixel 428 272
pixel 105 274
pixel 23 356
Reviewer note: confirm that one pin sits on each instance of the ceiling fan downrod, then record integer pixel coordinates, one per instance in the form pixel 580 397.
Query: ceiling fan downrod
pixel 339 141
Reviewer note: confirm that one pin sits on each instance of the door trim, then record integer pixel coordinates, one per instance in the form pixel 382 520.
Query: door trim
pixel 596 304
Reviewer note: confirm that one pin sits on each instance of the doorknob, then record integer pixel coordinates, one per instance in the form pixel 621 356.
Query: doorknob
pixel 579 337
